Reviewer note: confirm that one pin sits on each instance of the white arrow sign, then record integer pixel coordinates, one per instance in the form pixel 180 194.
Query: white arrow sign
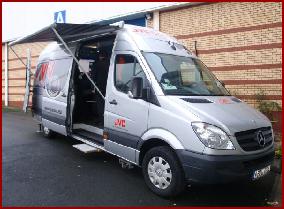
pixel 60 17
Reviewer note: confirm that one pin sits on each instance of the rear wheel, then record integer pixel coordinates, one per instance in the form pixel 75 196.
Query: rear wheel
pixel 47 132
pixel 162 172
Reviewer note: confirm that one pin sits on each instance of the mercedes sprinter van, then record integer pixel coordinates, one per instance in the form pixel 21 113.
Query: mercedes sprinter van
pixel 139 94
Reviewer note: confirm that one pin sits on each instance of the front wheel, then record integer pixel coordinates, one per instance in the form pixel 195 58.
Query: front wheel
pixel 162 172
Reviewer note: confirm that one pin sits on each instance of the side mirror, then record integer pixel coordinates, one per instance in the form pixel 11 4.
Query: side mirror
pixel 137 87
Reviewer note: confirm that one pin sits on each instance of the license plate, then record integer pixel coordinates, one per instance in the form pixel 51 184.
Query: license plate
pixel 261 172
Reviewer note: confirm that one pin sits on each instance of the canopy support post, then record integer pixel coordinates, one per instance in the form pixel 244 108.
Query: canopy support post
pixel 6 74
pixel 77 61
pixel 18 56
pixel 28 81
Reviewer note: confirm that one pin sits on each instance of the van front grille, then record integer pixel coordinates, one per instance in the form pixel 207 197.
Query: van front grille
pixel 250 140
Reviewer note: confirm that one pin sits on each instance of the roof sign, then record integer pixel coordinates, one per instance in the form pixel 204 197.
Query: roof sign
pixel 60 17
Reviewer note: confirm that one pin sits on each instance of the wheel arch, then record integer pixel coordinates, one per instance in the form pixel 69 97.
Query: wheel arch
pixel 157 137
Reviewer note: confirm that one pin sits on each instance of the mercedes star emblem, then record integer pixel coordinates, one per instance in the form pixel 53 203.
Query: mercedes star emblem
pixel 260 139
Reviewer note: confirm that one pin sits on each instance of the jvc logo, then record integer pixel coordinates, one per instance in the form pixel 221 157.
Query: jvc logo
pixel 119 123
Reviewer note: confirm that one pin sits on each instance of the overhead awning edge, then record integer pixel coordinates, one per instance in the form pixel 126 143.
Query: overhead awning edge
pixel 69 32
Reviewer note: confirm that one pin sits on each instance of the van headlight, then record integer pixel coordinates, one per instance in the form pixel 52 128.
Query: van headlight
pixel 212 136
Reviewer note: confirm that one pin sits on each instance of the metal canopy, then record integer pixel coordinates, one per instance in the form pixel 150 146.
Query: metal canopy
pixel 68 32
pixel 64 33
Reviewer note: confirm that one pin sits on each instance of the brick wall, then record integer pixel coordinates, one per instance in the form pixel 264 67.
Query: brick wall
pixel 3 72
pixel 241 42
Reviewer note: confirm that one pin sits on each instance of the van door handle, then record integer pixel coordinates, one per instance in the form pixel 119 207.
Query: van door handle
pixel 113 102
pixel 63 95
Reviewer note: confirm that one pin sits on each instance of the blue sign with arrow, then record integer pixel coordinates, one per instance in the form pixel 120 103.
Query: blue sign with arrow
pixel 60 17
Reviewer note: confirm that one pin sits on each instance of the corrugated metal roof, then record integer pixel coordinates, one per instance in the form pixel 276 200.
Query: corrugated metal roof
pixel 69 32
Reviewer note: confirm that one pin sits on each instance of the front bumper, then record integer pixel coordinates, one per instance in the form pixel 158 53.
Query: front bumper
pixel 212 169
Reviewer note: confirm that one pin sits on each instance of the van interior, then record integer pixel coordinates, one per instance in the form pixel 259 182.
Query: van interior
pixel 94 56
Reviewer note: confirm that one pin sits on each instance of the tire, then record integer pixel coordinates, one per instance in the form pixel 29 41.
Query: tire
pixel 162 172
pixel 47 132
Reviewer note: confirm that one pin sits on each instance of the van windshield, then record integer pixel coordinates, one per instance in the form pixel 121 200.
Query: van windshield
pixel 184 76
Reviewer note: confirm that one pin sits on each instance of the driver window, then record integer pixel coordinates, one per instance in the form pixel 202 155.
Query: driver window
pixel 126 67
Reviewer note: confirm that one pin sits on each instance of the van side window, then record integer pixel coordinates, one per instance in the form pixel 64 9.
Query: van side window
pixel 55 75
pixel 37 78
pixel 126 67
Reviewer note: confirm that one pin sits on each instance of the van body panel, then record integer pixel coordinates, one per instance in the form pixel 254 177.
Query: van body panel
pixel 129 117
pixel 134 119
pixel 122 151
pixel 124 42
pixel 232 116
pixel 149 40
pixel 162 134
pixel 176 121
pixel 50 124
pixel 123 138
pixel 54 51
pixel 123 45
pixel 54 110
pixel 37 101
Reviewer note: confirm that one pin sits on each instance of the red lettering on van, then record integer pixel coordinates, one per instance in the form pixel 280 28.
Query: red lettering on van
pixel 224 101
pixel 46 70
pixel 43 71
pixel 50 68
pixel 120 123
pixel 148 32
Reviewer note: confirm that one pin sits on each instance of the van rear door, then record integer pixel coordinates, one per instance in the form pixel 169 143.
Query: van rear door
pixel 56 74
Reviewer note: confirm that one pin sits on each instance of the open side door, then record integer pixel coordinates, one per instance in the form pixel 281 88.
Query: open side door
pixel 64 34
pixel 28 82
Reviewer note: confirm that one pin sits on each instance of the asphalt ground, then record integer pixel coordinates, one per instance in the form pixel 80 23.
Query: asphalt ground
pixel 37 171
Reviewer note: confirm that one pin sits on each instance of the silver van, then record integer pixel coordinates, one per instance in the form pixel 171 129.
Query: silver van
pixel 139 94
